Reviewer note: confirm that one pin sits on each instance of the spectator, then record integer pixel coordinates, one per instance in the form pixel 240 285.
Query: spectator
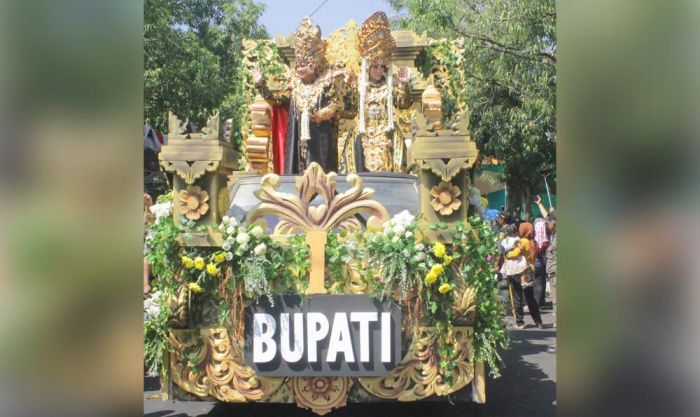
pixel 518 267
pixel 541 243
pixel 551 257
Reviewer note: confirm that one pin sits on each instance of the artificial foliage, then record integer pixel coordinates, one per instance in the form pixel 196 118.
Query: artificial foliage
pixel 394 263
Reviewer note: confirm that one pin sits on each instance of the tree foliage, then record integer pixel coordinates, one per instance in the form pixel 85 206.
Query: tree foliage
pixel 505 52
pixel 193 58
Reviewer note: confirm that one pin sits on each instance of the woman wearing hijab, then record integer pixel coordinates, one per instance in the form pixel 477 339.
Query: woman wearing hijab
pixel 519 266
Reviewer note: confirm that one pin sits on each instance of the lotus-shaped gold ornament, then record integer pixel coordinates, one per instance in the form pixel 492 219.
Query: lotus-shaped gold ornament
pixel 193 202
pixel 445 198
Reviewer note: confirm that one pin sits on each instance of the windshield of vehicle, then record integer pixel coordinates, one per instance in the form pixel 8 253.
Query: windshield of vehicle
pixel 397 192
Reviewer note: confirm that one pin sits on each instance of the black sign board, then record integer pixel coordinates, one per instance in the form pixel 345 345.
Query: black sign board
pixel 322 335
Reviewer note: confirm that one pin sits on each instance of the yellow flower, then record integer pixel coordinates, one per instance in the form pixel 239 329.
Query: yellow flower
pixel 219 257
pixel 431 277
pixel 439 249
pixel 447 259
pixel 445 288
pixel 199 262
pixel 187 262
pixel 194 287
pixel 437 269
pixel 212 270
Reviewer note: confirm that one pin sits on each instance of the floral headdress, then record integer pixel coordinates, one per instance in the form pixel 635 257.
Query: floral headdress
pixel 309 47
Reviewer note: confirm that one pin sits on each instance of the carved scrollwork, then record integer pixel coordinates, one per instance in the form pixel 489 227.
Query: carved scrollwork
pixel 177 129
pixel 189 172
pixel 446 171
pixel 297 213
pixel 419 375
pixel 178 304
pixel 206 363
pixel 465 304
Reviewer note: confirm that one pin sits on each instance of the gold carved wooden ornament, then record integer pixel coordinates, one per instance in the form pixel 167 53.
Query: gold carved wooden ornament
pixel 193 202
pixel 445 198
pixel 321 394
pixel 296 211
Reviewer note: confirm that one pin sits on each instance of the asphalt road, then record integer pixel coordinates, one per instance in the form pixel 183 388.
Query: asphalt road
pixel 527 388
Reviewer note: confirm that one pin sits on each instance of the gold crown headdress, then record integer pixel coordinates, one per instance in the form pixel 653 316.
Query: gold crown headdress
pixel 374 39
pixel 309 47
pixel 375 43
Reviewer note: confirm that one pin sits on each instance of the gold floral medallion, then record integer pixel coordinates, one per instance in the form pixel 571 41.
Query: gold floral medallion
pixel 193 202
pixel 445 198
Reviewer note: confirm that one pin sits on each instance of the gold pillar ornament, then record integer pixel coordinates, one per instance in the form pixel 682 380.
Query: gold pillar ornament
pixel 258 147
pixel 442 157
pixel 201 162
pixel 431 105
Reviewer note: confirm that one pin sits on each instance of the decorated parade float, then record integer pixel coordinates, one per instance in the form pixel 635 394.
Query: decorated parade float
pixel 335 258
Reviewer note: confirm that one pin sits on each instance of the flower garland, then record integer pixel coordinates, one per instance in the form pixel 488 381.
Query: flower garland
pixel 393 261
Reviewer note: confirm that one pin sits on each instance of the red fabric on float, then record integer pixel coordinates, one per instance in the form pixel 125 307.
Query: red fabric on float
pixel 280 115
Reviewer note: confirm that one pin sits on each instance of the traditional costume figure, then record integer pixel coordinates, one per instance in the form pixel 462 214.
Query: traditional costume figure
pixel 378 145
pixel 315 96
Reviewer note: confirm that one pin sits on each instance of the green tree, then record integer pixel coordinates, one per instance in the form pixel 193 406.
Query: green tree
pixel 193 58
pixel 506 59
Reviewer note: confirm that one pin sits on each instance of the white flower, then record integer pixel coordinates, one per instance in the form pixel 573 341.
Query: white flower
pixel 408 234
pixel 228 256
pixel 230 230
pixel 230 240
pixel 243 238
pixel 226 246
pixel 420 247
pixel 404 218
pixel 225 219
pixel 395 239
pixel 257 232
pixel 222 227
pixel 151 306
pixel 243 247
pixel 260 249
pixel 399 229
pixel 420 256
pixel 232 221
pixel 162 210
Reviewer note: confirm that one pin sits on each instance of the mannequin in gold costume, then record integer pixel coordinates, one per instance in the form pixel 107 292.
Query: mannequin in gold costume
pixel 315 95
pixel 378 145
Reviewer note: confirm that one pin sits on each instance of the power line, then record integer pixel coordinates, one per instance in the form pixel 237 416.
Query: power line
pixel 321 5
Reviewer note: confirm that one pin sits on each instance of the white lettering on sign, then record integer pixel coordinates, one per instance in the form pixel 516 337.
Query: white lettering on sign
pixel 364 319
pixel 289 354
pixel 264 348
pixel 340 339
pixel 386 337
pixel 317 329
pixel 332 339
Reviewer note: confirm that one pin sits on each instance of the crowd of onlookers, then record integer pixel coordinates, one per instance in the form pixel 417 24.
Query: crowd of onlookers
pixel 527 262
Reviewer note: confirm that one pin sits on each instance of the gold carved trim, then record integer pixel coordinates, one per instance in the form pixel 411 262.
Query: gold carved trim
pixel 297 213
pixel 177 129
pixel 206 363
pixel 190 172
pixel 321 394
pixel 419 375
pixel 446 171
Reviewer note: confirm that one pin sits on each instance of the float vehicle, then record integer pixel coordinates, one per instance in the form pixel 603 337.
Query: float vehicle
pixel 321 289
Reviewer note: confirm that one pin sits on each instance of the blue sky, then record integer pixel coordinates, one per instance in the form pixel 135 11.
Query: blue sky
pixel 282 17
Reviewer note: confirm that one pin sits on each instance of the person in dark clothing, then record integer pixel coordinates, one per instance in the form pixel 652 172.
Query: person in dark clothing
pixel 315 95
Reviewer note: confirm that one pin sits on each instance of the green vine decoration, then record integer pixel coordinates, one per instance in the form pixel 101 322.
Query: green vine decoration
pixel 398 266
